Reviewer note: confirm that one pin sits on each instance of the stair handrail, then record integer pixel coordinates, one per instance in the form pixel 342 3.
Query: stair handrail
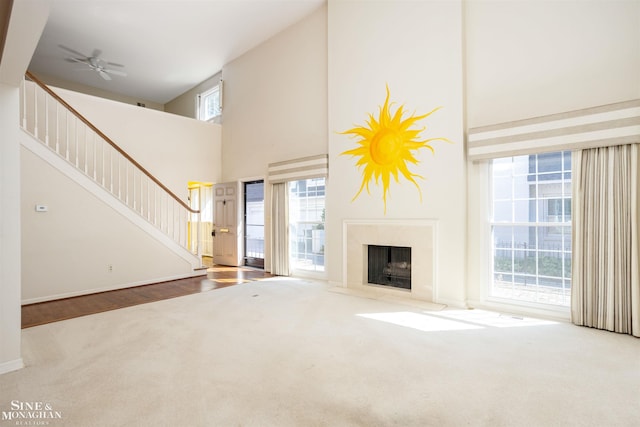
pixel 108 140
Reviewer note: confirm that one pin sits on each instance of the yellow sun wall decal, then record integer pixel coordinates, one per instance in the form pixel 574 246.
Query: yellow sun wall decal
pixel 386 146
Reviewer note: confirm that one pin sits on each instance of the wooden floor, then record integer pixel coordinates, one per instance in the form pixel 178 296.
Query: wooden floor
pixel 68 308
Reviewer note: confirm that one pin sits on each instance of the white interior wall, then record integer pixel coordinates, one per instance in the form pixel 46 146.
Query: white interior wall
pixel 174 149
pixel 23 30
pixel 415 48
pixel 275 105
pixel 10 318
pixel 89 90
pixel 67 250
pixel 527 59
pixel 530 58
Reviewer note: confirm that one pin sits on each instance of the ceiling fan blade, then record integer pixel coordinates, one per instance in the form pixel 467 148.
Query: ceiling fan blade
pixel 75 52
pixel 114 64
pixel 104 75
pixel 80 60
pixel 115 72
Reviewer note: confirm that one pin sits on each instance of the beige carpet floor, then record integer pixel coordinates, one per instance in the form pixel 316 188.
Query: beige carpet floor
pixel 284 352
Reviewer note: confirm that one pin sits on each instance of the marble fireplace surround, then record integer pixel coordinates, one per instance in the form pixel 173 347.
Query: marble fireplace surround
pixel 419 235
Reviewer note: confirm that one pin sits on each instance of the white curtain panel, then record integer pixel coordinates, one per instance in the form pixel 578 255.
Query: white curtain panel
pixel 279 230
pixel 606 281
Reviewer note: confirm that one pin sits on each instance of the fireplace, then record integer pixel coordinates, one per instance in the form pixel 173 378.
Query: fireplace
pixel 389 266
pixel 416 238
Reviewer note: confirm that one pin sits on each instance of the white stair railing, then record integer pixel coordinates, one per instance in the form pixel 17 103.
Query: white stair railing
pixel 56 124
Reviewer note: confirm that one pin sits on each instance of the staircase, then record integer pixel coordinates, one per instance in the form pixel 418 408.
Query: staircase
pixel 78 149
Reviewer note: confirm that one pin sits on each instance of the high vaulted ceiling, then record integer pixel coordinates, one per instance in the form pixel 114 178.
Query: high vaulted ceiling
pixel 166 47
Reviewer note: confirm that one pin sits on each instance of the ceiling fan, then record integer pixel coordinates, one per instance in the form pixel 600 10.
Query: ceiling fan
pixel 95 63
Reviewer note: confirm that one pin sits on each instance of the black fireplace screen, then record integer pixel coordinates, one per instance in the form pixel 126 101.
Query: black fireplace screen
pixel 389 266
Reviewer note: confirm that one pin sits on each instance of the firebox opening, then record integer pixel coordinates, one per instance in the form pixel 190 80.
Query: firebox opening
pixel 389 266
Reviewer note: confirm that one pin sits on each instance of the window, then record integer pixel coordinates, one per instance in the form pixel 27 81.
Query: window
pixel 558 210
pixel 531 228
pixel 210 103
pixel 306 224
pixel 254 224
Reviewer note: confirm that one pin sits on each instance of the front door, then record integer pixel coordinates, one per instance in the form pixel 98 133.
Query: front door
pixel 225 224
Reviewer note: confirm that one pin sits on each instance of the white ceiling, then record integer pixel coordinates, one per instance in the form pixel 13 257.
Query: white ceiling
pixel 166 46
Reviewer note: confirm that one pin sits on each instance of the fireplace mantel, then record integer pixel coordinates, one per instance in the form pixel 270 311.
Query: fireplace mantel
pixel 420 235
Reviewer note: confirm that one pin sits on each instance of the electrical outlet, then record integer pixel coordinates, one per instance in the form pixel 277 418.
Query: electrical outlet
pixel 110 268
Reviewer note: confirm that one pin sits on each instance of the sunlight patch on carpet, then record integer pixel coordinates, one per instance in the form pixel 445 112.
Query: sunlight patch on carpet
pixel 490 318
pixel 420 322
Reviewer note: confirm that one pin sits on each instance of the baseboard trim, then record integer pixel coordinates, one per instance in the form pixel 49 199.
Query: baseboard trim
pixel 412 302
pixel 451 303
pixel 11 365
pixel 552 312
pixel 113 288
